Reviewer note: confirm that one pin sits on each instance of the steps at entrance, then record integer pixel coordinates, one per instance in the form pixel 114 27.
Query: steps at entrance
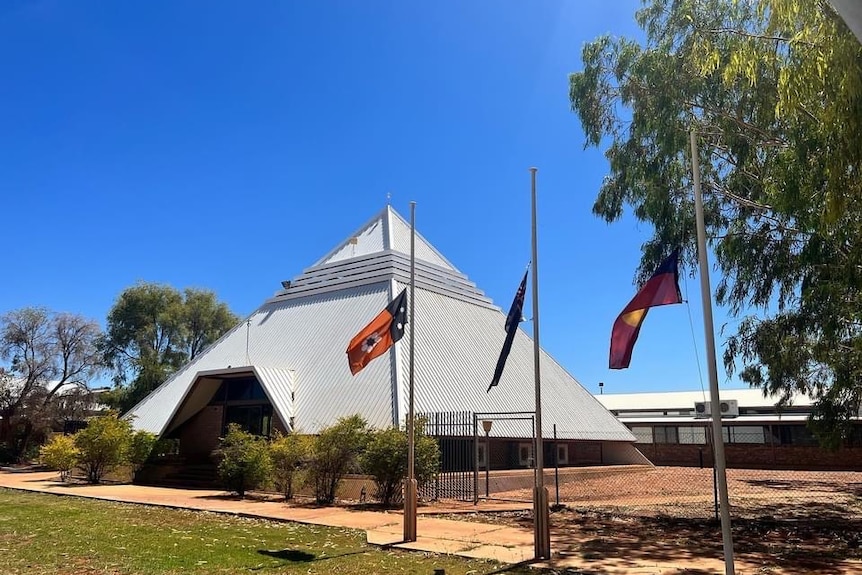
pixel 201 475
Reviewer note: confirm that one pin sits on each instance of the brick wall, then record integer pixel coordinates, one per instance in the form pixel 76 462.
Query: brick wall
pixel 754 456
pixel 199 435
pixel 583 453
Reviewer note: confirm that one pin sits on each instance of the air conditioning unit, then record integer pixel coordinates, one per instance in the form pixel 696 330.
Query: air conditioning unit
pixel 729 408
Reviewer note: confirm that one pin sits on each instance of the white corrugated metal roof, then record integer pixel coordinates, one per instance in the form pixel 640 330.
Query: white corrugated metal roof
pixel 297 340
pixel 705 421
pixel 387 230
pixel 851 12
pixel 675 400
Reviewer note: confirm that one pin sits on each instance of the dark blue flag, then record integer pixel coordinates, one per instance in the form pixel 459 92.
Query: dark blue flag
pixel 512 321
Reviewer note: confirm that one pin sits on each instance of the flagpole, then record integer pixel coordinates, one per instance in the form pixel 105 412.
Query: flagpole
pixel 718 437
pixel 541 531
pixel 410 489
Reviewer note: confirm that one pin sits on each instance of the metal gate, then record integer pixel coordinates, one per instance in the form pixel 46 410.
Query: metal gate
pixel 454 432
pixel 459 436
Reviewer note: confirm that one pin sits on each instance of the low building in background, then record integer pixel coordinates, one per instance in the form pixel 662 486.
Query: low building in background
pixel 674 428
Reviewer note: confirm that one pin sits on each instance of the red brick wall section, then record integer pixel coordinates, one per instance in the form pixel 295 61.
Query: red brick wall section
pixel 497 454
pixel 199 435
pixel 753 456
pixel 582 453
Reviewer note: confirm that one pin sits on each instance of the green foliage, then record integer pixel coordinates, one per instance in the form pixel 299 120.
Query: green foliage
pixel 335 453
pixel 141 446
pixel 166 447
pixel 774 90
pixel 289 453
pixel 244 461
pixel 104 445
pixel 61 454
pixel 385 458
pixel 153 329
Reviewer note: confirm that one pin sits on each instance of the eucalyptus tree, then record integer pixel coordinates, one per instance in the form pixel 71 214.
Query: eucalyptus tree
pixel 153 330
pixel 772 88
pixel 46 353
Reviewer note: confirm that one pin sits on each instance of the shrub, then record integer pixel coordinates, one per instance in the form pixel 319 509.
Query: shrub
pixel 289 454
pixel 61 454
pixel 244 461
pixel 141 445
pixel 335 453
pixel 166 447
pixel 104 445
pixel 385 459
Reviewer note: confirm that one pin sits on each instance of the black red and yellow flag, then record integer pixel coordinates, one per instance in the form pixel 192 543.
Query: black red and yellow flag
pixel 661 289
pixel 379 335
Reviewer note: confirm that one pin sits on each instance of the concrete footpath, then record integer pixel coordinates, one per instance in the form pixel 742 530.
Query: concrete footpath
pixel 448 536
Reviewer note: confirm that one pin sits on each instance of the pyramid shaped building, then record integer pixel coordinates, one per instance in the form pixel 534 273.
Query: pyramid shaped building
pixel 285 368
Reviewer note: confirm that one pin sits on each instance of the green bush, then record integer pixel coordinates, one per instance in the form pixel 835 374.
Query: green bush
pixel 385 459
pixel 244 461
pixel 335 453
pixel 166 447
pixel 61 454
pixel 289 455
pixel 141 446
pixel 104 445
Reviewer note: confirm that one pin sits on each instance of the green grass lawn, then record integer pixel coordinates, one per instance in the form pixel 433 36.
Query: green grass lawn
pixel 41 534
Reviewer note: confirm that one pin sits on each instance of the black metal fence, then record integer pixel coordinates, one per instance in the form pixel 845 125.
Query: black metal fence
pixel 687 490
pixel 454 432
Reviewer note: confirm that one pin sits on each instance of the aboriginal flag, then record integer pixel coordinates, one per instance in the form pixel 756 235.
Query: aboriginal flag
pixel 512 321
pixel 379 335
pixel 661 289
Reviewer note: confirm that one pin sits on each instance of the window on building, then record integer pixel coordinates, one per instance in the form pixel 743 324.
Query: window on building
pixel 692 435
pixel 793 435
pixel 525 454
pixel 256 419
pixel 743 434
pixel 245 404
pixel 481 455
pixel 666 434
pixel 643 434
pixel 562 454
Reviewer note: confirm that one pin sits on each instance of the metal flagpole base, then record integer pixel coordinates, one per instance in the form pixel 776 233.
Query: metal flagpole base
pixel 541 523
pixel 410 502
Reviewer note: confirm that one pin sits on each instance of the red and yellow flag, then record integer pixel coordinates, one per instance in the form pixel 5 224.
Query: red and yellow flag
pixel 379 335
pixel 661 289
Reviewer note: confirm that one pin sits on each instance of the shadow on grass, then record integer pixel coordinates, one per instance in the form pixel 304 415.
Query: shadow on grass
pixel 291 555
pixel 297 556
pixel 227 496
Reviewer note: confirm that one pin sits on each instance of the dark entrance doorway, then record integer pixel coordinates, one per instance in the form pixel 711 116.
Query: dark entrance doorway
pixel 244 403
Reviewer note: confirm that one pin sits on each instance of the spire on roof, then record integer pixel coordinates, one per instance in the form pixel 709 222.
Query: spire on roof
pixel 387 230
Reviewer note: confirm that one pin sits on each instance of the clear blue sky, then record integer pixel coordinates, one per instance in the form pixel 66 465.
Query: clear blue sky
pixel 229 145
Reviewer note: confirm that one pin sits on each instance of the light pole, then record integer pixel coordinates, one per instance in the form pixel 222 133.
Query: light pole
pixel 486 425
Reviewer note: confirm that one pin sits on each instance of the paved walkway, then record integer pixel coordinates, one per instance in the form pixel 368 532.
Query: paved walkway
pixel 463 538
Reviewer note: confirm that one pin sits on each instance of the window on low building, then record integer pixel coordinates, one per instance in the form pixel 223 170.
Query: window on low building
pixel 743 434
pixel 666 434
pixel 692 435
pixel 525 454
pixel 793 435
pixel 643 434
pixel 562 454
